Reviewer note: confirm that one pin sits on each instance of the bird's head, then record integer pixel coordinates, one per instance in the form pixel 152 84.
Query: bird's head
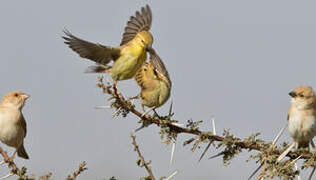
pixel 303 97
pixel 145 38
pixel 149 72
pixel 15 99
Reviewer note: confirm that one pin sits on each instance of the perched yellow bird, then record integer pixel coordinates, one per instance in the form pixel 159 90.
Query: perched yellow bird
pixel 128 57
pixel 12 122
pixel 154 80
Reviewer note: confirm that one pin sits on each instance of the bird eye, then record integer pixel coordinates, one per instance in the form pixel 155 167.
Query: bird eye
pixel 145 69
pixel 16 95
pixel 301 95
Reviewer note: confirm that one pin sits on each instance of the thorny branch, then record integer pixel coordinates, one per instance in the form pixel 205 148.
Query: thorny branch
pixel 141 162
pixel 21 173
pixel 232 145
pixel 14 169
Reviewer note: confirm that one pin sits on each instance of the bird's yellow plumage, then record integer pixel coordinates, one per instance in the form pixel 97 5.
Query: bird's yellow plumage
pixel 153 78
pixel 128 57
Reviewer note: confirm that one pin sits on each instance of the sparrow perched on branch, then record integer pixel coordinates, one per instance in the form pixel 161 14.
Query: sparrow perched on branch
pixel 128 57
pixel 302 115
pixel 12 122
pixel 154 80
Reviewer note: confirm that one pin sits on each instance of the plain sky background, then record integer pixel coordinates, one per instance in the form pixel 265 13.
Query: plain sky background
pixel 235 60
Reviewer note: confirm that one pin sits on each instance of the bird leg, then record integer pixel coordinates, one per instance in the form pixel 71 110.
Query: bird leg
pixel 13 155
pixel 10 158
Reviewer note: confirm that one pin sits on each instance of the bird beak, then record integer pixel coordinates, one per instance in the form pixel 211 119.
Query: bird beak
pixel 25 96
pixel 149 47
pixel 292 94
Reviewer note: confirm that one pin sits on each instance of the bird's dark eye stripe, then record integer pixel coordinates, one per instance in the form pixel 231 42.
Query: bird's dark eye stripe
pixel 155 72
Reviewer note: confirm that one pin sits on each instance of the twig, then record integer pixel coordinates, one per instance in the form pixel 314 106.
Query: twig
pixel 46 176
pixel 78 171
pixel 143 162
pixel 14 169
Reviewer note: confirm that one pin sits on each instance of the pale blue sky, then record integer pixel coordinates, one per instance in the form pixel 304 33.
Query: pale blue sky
pixel 235 60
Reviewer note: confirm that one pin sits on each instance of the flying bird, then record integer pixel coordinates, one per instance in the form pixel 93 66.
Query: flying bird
pixel 12 122
pixel 302 115
pixel 154 81
pixel 128 57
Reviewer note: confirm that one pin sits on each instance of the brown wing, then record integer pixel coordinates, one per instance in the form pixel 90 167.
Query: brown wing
pixel 140 22
pixel 95 52
pixel 23 124
pixel 158 64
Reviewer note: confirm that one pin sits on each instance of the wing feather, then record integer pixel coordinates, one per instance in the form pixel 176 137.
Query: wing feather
pixel 158 64
pixel 95 52
pixel 140 22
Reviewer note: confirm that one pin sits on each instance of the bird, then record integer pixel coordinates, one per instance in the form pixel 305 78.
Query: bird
pixel 154 81
pixel 302 116
pixel 127 58
pixel 12 122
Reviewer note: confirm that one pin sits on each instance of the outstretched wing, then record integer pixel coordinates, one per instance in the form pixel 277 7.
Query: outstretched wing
pixel 95 52
pixel 159 65
pixel 140 22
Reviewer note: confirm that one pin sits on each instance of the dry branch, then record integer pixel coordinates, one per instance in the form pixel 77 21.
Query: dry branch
pixel 142 161
pixel 232 145
pixel 78 171
pixel 14 169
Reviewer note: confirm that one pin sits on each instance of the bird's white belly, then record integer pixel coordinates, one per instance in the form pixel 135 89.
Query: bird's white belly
pixel 10 134
pixel 302 130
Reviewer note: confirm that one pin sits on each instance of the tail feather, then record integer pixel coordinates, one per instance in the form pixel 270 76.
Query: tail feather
pixel 22 153
pixel 98 69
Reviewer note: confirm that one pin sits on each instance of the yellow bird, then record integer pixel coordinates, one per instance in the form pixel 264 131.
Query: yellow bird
pixel 128 57
pixel 154 80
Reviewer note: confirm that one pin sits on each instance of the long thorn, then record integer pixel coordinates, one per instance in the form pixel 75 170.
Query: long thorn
pixel 170 109
pixel 286 152
pixel 103 107
pixel 294 160
pixel 279 135
pixel 172 175
pixel 136 130
pixel 172 152
pixel 219 154
pixel 296 168
pixel 312 173
pixel 144 114
pixel 258 168
pixel 273 143
pixel 116 112
pixel 7 176
pixel 207 147
pixel 214 127
pixel 209 144
pixel 177 124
